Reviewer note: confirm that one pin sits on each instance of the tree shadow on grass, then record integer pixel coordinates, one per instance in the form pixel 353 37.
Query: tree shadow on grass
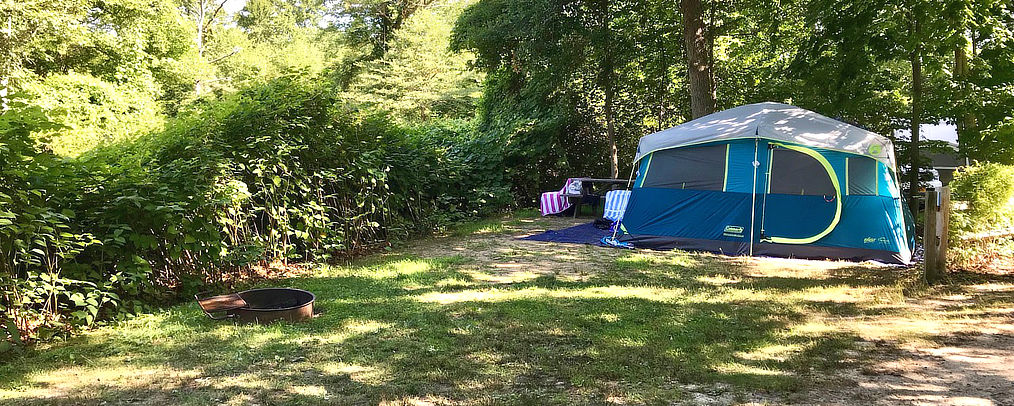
pixel 403 335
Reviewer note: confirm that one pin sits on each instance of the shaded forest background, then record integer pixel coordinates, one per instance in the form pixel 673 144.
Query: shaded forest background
pixel 150 148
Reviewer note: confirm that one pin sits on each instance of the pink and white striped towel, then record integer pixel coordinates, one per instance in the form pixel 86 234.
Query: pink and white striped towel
pixel 555 202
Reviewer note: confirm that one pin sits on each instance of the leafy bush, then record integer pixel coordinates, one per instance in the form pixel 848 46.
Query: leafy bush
pixel 988 190
pixel 92 111
pixel 36 235
pixel 278 172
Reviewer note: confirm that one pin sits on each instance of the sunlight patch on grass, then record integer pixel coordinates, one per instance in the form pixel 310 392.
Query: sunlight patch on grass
pixel 365 326
pixel 641 260
pixel 486 357
pixel 68 381
pixel 453 283
pixel 399 268
pixel 630 342
pixel 309 390
pixel 419 401
pixel 604 317
pixel 813 328
pixel 719 280
pixel 735 368
pixel 837 294
pixel 772 352
pixel 502 295
pixel 502 277
pixel 480 227
pixel 369 375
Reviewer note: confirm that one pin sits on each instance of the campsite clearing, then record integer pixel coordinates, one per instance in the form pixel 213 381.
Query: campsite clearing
pixel 479 317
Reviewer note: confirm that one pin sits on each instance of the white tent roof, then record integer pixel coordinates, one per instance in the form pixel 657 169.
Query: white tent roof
pixel 775 121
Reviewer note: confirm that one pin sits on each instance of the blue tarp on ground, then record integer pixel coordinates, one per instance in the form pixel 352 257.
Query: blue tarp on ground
pixel 581 234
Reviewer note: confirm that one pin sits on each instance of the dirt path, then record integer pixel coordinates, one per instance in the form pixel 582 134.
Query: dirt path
pixel 971 365
pixel 963 356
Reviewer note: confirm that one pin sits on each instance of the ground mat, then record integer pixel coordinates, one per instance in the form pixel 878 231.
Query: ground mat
pixel 580 234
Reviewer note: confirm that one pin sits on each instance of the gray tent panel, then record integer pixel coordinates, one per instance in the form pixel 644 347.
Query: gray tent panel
pixel 696 168
pixel 795 173
pixel 862 176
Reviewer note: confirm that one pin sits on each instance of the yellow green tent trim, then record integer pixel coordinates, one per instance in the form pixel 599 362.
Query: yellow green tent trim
pixel 837 188
pixel 647 166
pixel 725 181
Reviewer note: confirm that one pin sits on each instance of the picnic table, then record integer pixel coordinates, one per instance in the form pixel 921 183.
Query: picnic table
pixel 587 192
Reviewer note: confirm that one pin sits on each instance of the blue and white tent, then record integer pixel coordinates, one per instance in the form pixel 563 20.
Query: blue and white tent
pixel 769 179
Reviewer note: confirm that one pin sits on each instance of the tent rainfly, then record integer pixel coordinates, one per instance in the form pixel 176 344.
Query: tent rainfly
pixel 769 179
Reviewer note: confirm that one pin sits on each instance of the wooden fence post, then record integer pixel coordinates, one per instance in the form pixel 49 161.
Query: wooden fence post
pixel 935 233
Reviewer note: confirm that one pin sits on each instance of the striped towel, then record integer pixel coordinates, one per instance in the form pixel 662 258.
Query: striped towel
pixel 616 204
pixel 555 202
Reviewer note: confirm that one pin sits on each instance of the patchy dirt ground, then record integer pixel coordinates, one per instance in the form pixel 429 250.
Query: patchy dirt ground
pixel 478 317
pixel 950 346
pixel 968 362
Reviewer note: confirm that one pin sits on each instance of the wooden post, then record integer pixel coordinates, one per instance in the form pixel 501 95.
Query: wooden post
pixel 943 227
pixel 935 233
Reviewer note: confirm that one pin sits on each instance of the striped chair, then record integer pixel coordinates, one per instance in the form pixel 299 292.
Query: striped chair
pixel 616 204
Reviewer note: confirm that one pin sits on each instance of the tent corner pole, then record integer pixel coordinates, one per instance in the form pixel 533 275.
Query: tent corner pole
pixel 753 195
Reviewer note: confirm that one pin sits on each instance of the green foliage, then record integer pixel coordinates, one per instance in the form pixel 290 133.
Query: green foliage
pixel 981 232
pixel 90 111
pixel 995 143
pixel 988 189
pixel 274 172
pixel 420 78
pixel 542 97
pixel 373 23
pixel 37 238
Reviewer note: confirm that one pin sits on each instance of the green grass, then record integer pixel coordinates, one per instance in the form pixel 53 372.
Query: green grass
pixel 443 325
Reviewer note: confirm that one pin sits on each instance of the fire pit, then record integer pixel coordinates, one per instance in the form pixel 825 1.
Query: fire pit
pixel 260 305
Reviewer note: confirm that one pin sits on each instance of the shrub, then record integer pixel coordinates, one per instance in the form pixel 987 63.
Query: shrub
pixel 91 111
pixel 988 191
pixel 281 171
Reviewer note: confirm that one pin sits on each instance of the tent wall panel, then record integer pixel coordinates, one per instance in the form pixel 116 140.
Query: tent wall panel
pixel 696 214
pixel 796 216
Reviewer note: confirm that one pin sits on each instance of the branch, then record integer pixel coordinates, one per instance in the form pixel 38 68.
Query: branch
pixel 215 13
pixel 234 52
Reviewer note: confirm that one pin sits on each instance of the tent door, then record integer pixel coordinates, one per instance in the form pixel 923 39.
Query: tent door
pixel 802 200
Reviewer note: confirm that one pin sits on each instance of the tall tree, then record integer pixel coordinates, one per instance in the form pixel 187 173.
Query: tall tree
pixel 205 15
pixel 420 78
pixel 699 58
pixel 604 46
pixel 855 57
pixel 915 122
pixel 374 22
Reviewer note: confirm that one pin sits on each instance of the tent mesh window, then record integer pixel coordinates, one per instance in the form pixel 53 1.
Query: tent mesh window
pixel 862 176
pixel 696 168
pixel 795 173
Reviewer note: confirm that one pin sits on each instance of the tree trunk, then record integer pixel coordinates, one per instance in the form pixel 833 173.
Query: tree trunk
pixel 913 170
pixel 702 87
pixel 967 120
pixel 607 80
pixel 614 168
pixel 199 41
